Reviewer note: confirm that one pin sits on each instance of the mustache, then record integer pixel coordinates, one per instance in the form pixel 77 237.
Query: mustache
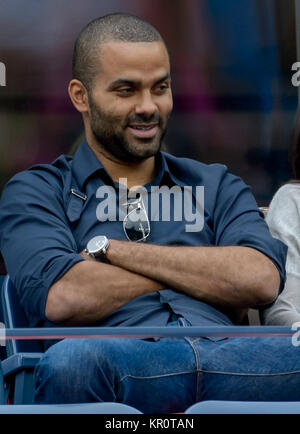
pixel 143 119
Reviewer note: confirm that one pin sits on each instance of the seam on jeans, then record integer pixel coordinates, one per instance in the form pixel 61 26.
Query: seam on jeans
pixel 193 341
pixel 198 368
pixel 158 375
pixel 253 374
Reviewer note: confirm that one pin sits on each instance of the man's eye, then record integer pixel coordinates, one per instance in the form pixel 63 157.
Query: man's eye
pixel 163 87
pixel 125 90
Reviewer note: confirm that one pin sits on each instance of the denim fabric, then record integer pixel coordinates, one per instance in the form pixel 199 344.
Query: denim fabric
pixel 169 374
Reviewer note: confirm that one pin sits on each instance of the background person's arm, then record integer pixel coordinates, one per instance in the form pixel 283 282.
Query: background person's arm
pixel 284 222
pixel 286 310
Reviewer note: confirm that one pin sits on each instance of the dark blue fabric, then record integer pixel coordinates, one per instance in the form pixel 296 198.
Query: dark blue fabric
pixel 44 227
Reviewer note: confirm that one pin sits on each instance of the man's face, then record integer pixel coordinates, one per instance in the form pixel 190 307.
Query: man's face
pixel 131 99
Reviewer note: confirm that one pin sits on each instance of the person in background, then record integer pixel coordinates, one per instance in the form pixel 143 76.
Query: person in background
pixel 283 218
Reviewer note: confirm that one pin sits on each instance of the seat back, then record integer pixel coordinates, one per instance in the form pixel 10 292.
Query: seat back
pixel 14 317
pixel 85 408
pixel 244 407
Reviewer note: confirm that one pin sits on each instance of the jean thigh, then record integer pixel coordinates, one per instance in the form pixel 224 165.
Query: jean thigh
pixel 153 376
pixel 250 368
pixel 161 377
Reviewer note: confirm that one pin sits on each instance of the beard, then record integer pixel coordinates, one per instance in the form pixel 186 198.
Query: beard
pixel 110 132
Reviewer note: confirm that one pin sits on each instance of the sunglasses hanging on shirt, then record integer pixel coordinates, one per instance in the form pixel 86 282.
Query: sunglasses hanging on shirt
pixel 136 224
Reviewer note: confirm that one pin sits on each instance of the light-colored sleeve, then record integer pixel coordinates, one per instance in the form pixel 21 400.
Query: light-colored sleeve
pixel 284 222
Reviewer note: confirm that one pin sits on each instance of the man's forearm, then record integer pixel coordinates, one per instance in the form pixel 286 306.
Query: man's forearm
pixel 225 276
pixel 91 290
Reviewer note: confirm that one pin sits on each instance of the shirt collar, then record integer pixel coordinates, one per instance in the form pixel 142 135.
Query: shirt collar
pixel 168 177
pixel 85 164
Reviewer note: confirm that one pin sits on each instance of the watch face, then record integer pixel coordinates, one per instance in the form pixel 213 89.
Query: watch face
pixel 96 244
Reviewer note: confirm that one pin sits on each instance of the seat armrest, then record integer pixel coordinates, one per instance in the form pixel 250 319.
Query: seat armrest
pixel 19 362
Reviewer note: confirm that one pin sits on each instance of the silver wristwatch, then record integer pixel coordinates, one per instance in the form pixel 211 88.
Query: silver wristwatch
pixel 97 247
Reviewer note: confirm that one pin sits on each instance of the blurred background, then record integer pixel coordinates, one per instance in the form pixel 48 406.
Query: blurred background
pixel 231 60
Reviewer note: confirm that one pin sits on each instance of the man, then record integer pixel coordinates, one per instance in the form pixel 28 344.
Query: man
pixel 72 237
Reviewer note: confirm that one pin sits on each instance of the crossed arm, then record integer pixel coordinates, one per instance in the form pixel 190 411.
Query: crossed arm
pixel 231 277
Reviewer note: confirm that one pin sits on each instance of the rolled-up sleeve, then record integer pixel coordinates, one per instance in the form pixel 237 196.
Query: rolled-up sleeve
pixel 239 222
pixel 35 239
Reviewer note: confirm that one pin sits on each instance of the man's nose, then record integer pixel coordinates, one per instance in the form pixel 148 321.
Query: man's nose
pixel 146 104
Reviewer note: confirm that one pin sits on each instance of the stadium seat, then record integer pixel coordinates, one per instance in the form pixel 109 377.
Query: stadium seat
pixel 22 355
pixel 89 408
pixel 18 366
pixel 244 407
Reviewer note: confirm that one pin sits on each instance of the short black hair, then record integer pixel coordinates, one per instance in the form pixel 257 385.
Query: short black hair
pixel 112 27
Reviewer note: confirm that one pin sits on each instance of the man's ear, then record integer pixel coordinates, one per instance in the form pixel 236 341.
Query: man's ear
pixel 78 95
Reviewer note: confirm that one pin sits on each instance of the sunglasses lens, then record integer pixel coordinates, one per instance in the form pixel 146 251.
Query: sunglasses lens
pixel 136 225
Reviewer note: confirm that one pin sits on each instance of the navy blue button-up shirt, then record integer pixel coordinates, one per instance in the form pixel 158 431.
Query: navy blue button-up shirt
pixel 48 213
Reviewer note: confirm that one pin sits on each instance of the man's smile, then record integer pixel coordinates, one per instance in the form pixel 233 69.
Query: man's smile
pixel 143 131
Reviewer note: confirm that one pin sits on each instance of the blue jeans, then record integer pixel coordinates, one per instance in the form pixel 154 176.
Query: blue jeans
pixel 170 374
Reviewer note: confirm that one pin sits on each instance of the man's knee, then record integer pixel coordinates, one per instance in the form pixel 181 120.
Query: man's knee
pixel 73 356
pixel 74 369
